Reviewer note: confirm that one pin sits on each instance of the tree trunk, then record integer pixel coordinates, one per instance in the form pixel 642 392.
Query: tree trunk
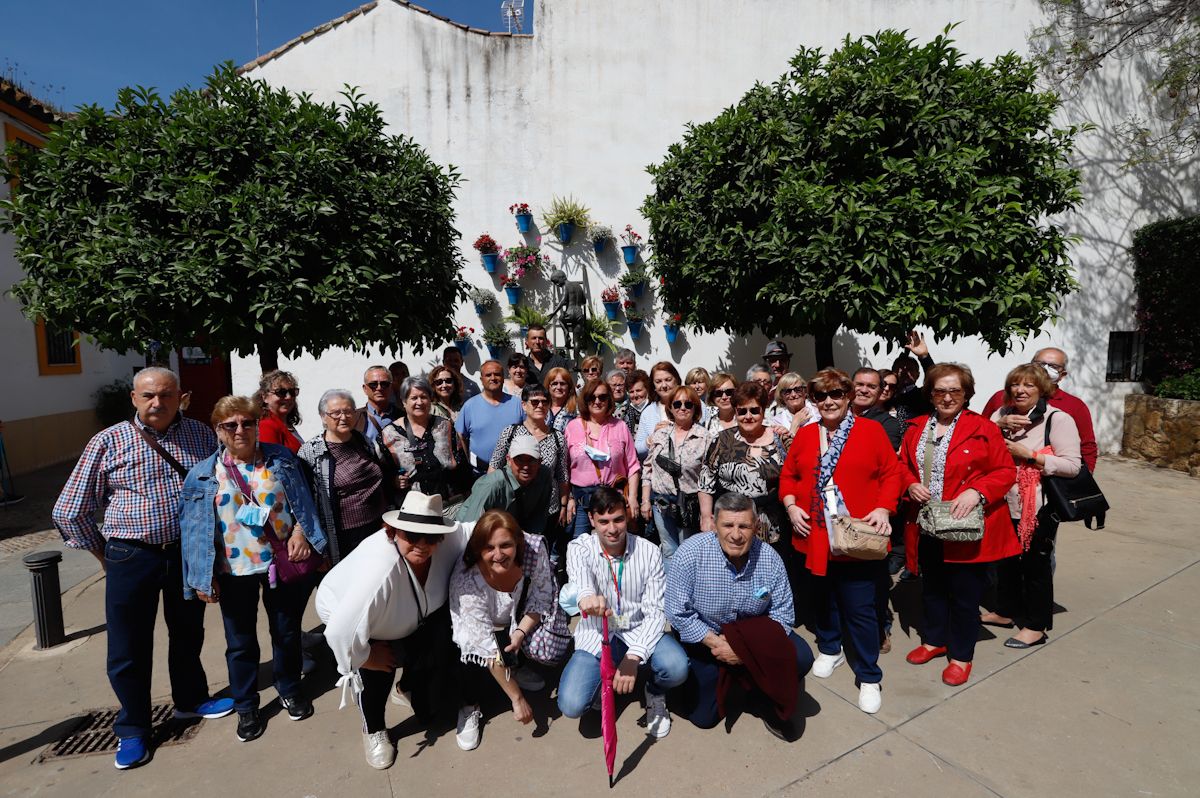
pixel 824 346
pixel 268 352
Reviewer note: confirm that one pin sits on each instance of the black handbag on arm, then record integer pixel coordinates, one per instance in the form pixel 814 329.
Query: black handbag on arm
pixel 1076 498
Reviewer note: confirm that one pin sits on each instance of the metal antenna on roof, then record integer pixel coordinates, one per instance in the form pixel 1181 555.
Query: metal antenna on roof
pixel 257 45
pixel 513 12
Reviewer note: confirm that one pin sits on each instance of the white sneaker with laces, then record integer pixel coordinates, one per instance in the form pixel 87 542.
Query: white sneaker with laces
pixel 658 719
pixel 380 751
pixel 870 698
pixel 825 663
pixel 529 680
pixel 468 727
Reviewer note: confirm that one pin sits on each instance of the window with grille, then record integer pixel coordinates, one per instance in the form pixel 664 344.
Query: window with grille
pixel 58 351
pixel 1125 350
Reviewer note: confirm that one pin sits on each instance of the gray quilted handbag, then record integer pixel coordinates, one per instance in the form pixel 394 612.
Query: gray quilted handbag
pixel 935 519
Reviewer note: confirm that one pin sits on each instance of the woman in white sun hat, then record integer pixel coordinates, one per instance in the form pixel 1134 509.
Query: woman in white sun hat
pixel 385 607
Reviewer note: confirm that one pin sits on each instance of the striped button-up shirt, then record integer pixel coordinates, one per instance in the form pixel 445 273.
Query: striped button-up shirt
pixel 641 600
pixel 705 591
pixel 136 487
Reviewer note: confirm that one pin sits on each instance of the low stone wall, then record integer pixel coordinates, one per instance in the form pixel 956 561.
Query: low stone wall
pixel 1165 432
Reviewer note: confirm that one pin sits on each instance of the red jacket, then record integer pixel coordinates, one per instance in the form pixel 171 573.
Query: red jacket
pixel 976 458
pixel 867 473
pixel 1072 406
pixel 272 430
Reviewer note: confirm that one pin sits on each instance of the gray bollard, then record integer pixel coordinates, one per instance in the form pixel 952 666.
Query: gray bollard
pixel 47 599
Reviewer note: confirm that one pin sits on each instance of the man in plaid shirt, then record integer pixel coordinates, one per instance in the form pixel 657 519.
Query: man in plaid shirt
pixel 138 547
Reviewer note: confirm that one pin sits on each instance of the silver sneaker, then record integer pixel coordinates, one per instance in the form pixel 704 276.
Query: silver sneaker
pixel 658 719
pixel 381 753
pixel 468 727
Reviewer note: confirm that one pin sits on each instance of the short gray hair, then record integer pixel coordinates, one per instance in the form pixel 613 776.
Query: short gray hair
pixel 626 354
pixel 157 371
pixel 732 503
pixel 756 368
pixel 420 383
pixel 614 373
pixel 334 393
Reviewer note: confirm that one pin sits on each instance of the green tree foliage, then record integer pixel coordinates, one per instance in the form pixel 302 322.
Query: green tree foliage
pixel 887 185
pixel 1081 36
pixel 239 216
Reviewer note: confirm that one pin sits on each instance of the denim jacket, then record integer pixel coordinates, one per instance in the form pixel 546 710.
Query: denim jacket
pixel 198 513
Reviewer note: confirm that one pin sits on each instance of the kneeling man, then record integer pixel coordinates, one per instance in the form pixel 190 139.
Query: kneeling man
pixel 621 576
pixel 729 601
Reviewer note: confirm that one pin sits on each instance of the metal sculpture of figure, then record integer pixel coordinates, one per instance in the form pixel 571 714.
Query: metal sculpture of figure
pixel 573 305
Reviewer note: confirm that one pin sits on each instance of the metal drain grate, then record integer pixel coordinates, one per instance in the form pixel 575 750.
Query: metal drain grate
pixel 93 734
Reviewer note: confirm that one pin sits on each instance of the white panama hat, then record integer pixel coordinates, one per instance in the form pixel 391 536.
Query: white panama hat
pixel 420 513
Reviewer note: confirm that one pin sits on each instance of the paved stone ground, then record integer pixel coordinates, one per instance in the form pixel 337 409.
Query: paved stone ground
pixel 1110 707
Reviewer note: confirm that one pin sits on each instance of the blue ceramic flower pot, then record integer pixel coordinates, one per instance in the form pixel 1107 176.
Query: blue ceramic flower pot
pixel 463 344
pixel 672 331
pixel 630 253
pixel 599 245
pixel 635 328
pixel 514 294
pixel 490 259
pixel 524 222
pixel 495 351
pixel 523 331
pixel 565 231
pixel 480 309
pixel 611 309
pixel 638 289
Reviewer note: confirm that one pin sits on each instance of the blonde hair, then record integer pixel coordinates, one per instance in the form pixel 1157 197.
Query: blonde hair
pixel 228 406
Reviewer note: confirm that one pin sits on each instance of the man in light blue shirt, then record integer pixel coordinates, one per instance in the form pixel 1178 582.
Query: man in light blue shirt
pixel 484 417
pixel 716 579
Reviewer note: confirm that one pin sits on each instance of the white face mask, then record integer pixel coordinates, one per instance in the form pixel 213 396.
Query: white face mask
pixel 1053 372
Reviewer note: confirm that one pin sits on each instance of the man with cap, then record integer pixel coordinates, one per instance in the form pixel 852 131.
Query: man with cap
pixel 521 489
pixel 779 359
pixel 385 607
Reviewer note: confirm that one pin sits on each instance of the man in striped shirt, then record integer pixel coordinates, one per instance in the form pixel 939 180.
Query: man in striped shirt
pixel 138 487
pixel 717 579
pixel 620 576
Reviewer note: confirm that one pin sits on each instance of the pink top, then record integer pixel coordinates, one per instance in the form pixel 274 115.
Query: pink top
pixel 614 439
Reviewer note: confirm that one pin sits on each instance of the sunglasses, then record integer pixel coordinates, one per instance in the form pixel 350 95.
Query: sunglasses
pixel 837 395
pixel 379 385
pixel 538 402
pixel 444 381
pixel 417 538
pixel 792 391
pixel 599 399
pixel 683 405
pixel 723 393
pixel 749 411
pixel 942 392
pixel 284 393
pixel 234 426
pixel 591 370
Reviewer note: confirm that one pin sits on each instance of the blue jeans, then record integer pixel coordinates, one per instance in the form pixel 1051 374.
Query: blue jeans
pixel 699 695
pixel 239 611
pixel 847 595
pixel 135 576
pixel 667 668
pixel 669 532
pixel 580 525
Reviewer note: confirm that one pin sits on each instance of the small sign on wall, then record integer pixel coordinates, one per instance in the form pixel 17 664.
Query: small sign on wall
pixel 195 356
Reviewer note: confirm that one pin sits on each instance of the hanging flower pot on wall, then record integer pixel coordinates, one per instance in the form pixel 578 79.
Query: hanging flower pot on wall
pixel 524 222
pixel 672 331
pixel 611 309
pixel 490 259
pixel 514 294
pixel 598 245
pixel 629 251
pixel 495 351
pixel 463 345
pixel 565 231
pixel 635 328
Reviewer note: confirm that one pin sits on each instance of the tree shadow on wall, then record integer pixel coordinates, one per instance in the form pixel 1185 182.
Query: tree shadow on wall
pixel 746 351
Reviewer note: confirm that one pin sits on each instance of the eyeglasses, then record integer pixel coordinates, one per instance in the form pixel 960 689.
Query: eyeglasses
pixel 234 426
pixel 538 402
pixel 599 399
pixel 941 393
pixel 793 391
pixel 339 413
pixel 379 385
pixel 837 395
pixel 721 394
pixel 683 405
pixel 284 393
pixel 889 386
pixel 749 411
pixel 417 538
pixel 444 381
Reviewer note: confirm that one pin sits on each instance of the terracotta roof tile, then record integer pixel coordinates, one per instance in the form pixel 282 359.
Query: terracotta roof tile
pixel 14 95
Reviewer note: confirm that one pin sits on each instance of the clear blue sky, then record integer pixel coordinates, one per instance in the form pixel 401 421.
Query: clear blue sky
pixel 74 52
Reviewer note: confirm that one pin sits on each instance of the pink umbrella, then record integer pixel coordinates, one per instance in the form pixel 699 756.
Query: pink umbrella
pixel 608 709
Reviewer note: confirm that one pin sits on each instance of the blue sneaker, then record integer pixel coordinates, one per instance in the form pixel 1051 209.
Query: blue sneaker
pixel 212 708
pixel 131 752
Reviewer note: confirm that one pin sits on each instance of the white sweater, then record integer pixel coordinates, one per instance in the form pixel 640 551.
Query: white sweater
pixel 369 596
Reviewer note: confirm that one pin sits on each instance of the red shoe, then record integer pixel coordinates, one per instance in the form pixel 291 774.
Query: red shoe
pixel 920 655
pixel 955 674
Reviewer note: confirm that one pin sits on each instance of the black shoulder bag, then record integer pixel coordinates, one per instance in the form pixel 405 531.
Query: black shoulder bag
pixel 1076 498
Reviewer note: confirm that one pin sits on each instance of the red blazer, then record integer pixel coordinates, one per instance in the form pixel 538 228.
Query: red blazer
pixel 977 458
pixel 272 430
pixel 867 473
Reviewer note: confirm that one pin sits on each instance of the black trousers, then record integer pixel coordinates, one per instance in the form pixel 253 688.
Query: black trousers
pixel 950 596
pixel 430 661
pixel 1025 583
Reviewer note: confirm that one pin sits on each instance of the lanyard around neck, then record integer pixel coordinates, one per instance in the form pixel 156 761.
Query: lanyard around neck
pixel 618 576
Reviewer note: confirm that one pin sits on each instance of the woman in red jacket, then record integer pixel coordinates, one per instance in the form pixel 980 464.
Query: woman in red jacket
pixel 278 392
pixel 857 475
pixel 969 464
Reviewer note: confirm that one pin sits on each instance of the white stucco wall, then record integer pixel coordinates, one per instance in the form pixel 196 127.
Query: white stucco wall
pixel 25 394
pixel 603 88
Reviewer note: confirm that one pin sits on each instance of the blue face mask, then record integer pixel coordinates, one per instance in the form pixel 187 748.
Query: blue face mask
pixel 568 598
pixel 253 515
pixel 595 454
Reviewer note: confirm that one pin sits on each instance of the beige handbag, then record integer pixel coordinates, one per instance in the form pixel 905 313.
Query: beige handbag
pixel 850 536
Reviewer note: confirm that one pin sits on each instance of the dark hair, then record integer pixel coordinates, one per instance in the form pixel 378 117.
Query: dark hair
pixel 965 378
pixel 750 391
pixel 268 383
pixel 585 397
pixel 450 350
pixel 606 499
pixel 537 325
pixel 533 389
pixel 488 523
pixel 636 376
pixel 867 370
pixel 827 380
pixel 667 366
pixel 456 398
pixel 515 359
pixel 732 503
pixel 689 395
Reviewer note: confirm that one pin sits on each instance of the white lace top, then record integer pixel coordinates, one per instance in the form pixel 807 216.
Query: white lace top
pixel 477 609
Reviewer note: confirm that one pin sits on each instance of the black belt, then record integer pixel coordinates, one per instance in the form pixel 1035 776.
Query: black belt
pixel 141 544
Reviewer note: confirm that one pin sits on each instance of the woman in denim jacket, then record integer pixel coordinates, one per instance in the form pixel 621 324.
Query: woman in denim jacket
pixel 240 495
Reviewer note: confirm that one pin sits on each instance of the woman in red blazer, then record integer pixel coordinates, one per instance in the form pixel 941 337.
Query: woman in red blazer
pixel 970 464
pixel 866 479
pixel 278 392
